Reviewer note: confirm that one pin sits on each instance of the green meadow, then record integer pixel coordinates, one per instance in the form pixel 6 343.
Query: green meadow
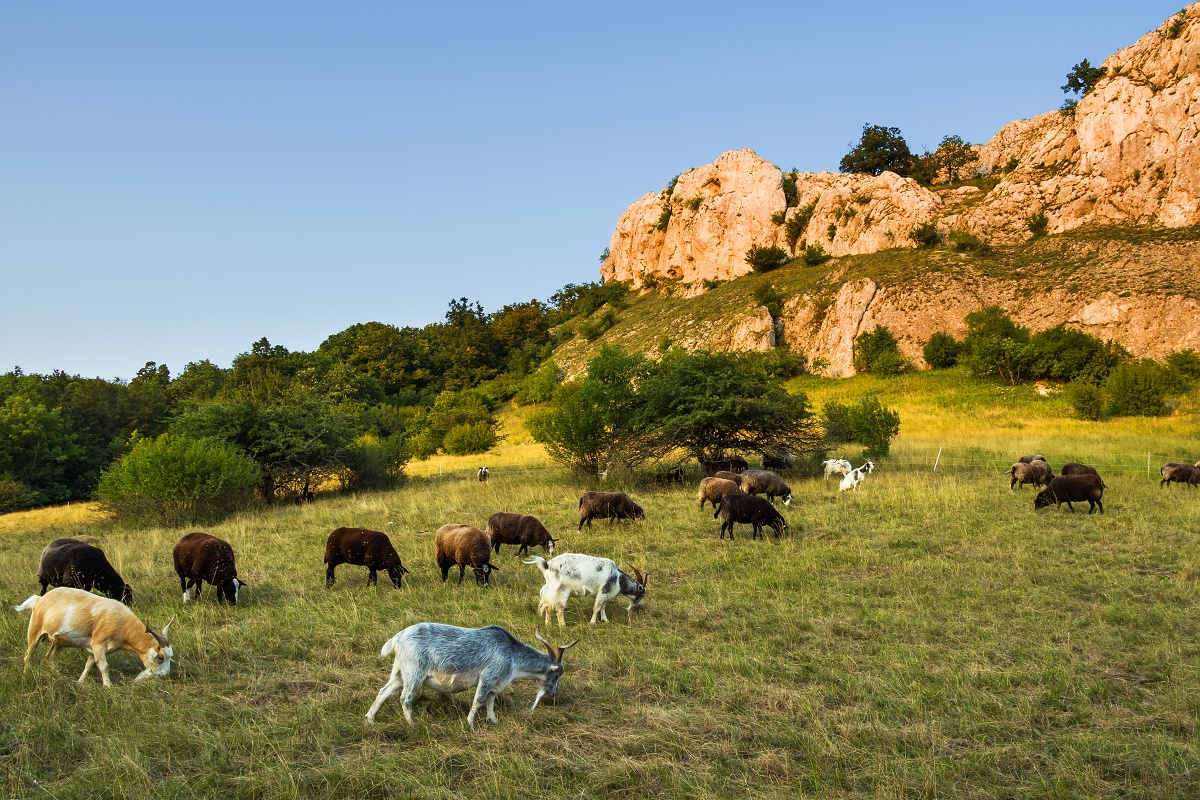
pixel 929 635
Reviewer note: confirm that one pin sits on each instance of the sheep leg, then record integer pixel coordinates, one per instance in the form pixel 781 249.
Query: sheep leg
pixel 372 577
pixel 1070 506
pixel 462 569
pixel 183 586
pixel 329 578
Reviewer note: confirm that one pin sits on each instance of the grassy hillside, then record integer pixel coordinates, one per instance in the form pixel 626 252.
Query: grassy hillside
pixel 1120 260
pixel 929 635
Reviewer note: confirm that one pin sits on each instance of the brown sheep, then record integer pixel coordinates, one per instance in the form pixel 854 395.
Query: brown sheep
pixel 607 505
pixel 763 481
pixel 751 510
pixel 362 548
pixel 1075 468
pixel 1036 472
pixel 464 546
pixel 1072 488
pixel 504 527
pixel 726 475
pixel 713 489
pixel 1030 459
pixel 1179 473
pixel 200 557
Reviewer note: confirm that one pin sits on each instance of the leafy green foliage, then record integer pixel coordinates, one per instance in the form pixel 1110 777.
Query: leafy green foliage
pixel 795 227
pixel 538 387
pixel 965 242
pixel 995 345
pixel 174 480
pixel 1087 399
pixel 926 235
pixel 1065 354
pixel 592 329
pixel 375 463
pixel 664 219
pixel 941 351
pixel 14 495
pixel 765 259
pixel 815 255
pixel 36 446
pixel 470 437
pixel 1185 364
pixel 1137 390
pixel 767 296
pixel 878 352
pixel 1038 224
pixel 1083 77
pixel 880 149
pixel 468 411
pixel 867 422
pixel 791 195
pixel 778 217
pixel 693 203
pixel 954 155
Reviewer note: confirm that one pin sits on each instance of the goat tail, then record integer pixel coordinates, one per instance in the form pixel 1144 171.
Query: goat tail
pixel 540 563
pixel 389 647
pixel 28 604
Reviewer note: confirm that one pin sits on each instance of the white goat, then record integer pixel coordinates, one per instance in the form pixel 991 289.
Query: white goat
pixel 79 619
pixel 837 466
pixel 583 576
pixel 448 659
pixel 856 476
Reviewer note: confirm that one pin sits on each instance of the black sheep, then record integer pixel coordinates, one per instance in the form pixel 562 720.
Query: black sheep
pixel 609 506
pixel 752 510
pixel 70 562
pixel 362 548
pixel 1072 488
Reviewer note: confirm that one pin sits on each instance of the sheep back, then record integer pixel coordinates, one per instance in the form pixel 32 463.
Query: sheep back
pixel 748 509
pixel 713 489
pixel 76 564
pixel 201 555
pixel 505 527
pixel 763 481
pixel 360 547
pixel 607 505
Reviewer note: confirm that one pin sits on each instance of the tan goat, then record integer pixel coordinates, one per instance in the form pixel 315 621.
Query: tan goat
pixel 79 619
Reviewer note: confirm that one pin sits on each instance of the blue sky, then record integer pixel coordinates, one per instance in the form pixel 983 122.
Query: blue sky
pixel 179 180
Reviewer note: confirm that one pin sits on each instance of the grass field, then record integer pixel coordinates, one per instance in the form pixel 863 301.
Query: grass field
pixel 928 636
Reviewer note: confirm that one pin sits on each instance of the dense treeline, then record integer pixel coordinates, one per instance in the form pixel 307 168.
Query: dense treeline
pixel 352 411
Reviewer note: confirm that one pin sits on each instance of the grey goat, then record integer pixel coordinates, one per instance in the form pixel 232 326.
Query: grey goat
pixel 448 659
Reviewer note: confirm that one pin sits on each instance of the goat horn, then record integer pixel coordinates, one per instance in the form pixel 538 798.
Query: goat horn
pixel 564 647
pixel 537 634
pixel 167 626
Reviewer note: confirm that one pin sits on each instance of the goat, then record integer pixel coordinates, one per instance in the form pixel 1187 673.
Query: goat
pixel 1035 472
pixel 751 510
pixel 70 562
pixel 448 659
pixel 856 476
pixel 762 481
pixel 200 557
pixel 464 546
pixel 504 527
pixel 1179 473
pixel 1068 488
pixel 363 548
pixel 483 474
pixel 579 575
pixel 713 489
pixel 607 505
pixel 837 466
pixel 70 617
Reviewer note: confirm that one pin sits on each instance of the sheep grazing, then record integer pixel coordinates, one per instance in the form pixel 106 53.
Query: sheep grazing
pixel 1179 473
pixel 726 475
pixel 1072 488
pixel 74 618
pixel 713 489
pixel 448 659
pixel 464 546
pixel 607 505
pixel 749 510
pixel 483 474
pixel 1031 458
pixel 1035 472
pixel 778 459
pixel 504 527
pixel 762 481
pixel 70 562
pixel 732 464
pixel 199 558
pixel 856 476
pixel 362 548
pixel 837 466
pixel 579 575
pixel 1075 468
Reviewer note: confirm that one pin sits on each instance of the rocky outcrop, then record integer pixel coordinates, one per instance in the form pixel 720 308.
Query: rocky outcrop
pixel 1129 154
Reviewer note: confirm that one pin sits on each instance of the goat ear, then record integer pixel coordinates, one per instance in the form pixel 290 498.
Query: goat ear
pixel 167 627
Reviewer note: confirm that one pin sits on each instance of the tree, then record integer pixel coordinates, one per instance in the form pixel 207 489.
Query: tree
pixel 941 351
pixel 1083 77
pixel 1137 390
pixel 878 352
pixel 954 155
pixel 874 426
pixel 995 345
pixel 36 446
pixel 765 259
pixel 880 149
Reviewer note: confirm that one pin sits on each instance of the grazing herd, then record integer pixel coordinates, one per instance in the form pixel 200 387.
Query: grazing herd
pixel 445 658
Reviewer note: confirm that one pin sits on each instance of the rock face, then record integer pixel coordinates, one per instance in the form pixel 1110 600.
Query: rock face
pixel 1129 154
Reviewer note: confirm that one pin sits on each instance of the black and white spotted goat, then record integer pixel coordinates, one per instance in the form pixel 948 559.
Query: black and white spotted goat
pixel 448 659
pixel 586 576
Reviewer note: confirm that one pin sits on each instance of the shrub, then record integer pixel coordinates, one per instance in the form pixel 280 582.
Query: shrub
pixel 1086 398
pixel 173 480
pixel 964 242
pixel 815 255
pixel 954 155
pixel 604 255
pixel 790 195
pixel 1011 164
pixel 831 232
pixel 794 228
pixel 1038 224
pixel 1083 77
pixel 664 219
pixel 874 426
pixel 778 217
pixel 765 259
pixel 926 235
pixel 1137 390
pixel 471 437
pixel 375 463
pixel 592 329
pixel 1066 354
pixel 1185 364
pixel 693 203
pixel 766 296
pixel 878 352
pixel 15 496
pixel 538 387
pixel 835 419
pixel 941 351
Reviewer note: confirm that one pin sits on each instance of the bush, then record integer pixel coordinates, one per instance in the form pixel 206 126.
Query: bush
pixel 964 242
pixel 772 300
pixel 467 438
pixel 538 387
pixel 1065 354
pixel 874 426
pixel 941 351
pixel 664 219
pixel 765 259
pixel 1038 224
pixel 592 329
pixel 926 235
pixel 815 255
pixel 1086 398
pixel 15 496
pixel 778 218
pixel 374 463
pixel 173 480
pixel 794 228
pixel 1185 364
pixel 878 352
pixel 835 419
pixel 1137 390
